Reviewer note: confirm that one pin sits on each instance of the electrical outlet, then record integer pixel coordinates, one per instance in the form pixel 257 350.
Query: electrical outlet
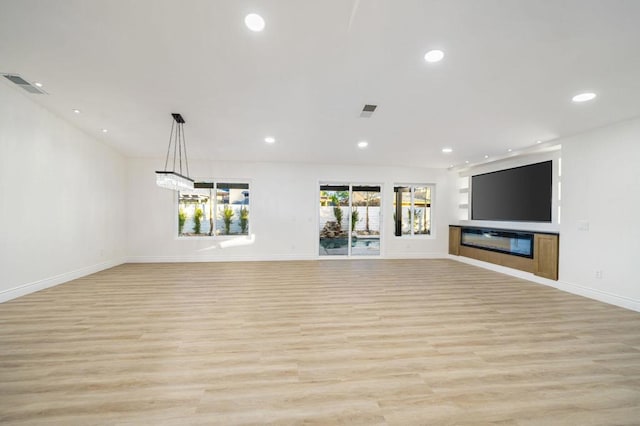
pixel 599 275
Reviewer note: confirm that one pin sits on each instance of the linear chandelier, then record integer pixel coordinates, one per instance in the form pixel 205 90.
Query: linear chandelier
pixel 171 179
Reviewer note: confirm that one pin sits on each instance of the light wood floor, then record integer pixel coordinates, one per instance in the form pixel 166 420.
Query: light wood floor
pixel 397 342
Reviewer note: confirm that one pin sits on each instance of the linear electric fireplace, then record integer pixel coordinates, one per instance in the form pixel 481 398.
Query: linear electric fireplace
pixel 510 242
pixel 529 251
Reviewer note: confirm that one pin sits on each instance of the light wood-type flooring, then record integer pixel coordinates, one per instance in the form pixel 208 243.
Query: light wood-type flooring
pixel 370 342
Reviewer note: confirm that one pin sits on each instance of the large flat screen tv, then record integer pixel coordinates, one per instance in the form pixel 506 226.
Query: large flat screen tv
pixel 520 194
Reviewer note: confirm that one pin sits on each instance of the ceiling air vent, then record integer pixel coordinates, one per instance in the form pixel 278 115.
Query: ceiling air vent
pixel 21 82
pixel 367 111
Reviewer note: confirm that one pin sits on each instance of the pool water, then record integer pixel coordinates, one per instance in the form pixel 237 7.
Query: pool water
pixel 359 246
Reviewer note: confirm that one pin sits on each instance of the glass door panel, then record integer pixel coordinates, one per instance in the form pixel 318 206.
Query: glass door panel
pixel 334 220
pixel 365 220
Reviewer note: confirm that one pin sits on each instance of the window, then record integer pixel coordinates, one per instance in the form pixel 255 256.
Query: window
pixel 214 208
pixel 412 210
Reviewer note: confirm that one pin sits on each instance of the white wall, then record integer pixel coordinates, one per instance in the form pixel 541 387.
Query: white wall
pixel 601 188
pixel 284 211
pixel 601 191
pixel 61 199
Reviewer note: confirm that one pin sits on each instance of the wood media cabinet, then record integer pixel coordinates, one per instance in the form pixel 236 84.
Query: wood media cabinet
pixel 524 250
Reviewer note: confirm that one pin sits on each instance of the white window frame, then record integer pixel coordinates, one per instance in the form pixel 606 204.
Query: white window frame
pixel 214 198
pixel 432 187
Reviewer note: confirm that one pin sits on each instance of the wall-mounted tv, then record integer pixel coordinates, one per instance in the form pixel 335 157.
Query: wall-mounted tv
pixel 520 194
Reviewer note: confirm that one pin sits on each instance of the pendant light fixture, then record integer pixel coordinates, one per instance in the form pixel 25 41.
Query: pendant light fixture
pixel 176 180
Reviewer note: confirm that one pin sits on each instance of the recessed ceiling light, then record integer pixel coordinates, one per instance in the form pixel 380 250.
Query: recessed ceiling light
pixel 447 150
pixel 583 97
pixel 269 139
pixel 37 83
pixel 363 144
pixel 104 130
pixel 466 161
pixel 538 142
pixel 509 150
pixel 254 22
pixel 434 56
pixel 77 111
pixel 486 156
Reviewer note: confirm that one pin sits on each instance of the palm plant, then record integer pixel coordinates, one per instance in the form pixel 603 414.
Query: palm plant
pixel 355 217
pixel 337 211
pixel 197 219
pixel 244 219
pixel 227 216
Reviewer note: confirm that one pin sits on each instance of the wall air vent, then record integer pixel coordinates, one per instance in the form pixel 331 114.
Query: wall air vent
pixel 21 82
pixel 368 110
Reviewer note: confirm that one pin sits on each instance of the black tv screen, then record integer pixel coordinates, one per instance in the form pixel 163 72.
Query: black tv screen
pixel 521 194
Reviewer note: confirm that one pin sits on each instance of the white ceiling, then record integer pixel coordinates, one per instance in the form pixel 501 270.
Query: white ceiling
pixel 510 70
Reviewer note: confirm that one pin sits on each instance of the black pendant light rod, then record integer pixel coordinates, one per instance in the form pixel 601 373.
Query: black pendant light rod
pixel 175 147
pixel 184 146
pixel 179 144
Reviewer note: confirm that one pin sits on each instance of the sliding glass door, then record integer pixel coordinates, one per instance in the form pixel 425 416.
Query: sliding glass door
pixel 349 220
pixel 365 220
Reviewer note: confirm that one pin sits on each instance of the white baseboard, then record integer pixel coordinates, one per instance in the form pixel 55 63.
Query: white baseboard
pixel 270 258
pixel 34 286
pixel 591 293
pixel 599 295
pixel 189 259
pixel 417 256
